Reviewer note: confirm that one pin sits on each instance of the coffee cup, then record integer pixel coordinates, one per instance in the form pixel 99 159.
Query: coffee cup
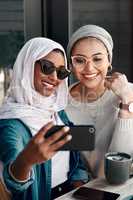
pixel 117 167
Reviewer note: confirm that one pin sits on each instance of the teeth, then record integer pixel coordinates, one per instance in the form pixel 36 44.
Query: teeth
pixel 47 84
pixel 90 75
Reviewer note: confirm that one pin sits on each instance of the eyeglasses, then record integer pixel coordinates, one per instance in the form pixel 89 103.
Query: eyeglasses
pixel 47 68
pixel 81 61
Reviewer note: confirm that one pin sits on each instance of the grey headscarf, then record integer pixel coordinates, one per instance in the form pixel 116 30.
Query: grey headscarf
pixel 92 31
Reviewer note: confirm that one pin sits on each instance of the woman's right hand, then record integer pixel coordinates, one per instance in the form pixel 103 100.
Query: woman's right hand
pixel 119 84
pixel 38 150
pixel 41 149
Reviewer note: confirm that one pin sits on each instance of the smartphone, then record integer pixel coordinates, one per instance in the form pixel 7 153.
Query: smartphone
pixel 83 137
pixel 86 193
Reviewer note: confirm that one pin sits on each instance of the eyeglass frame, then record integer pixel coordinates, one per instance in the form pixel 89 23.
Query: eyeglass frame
pixel 86 59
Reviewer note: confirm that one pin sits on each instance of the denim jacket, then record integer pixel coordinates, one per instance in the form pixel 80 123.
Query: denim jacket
pixel 14 135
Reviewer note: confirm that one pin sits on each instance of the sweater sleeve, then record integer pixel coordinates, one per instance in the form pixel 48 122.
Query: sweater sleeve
pixel 122 139
pixel 12 142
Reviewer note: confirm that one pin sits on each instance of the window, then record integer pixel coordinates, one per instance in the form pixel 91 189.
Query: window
pixel 11 37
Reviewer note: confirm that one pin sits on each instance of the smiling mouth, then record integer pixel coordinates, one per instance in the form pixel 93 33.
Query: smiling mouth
pixel 90 76
pixel 48 85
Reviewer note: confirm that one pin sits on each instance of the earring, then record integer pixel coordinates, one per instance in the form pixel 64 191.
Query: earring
pixel 109 69
pixel 70 67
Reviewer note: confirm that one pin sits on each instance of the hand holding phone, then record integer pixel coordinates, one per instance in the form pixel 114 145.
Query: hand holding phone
pixel 83 137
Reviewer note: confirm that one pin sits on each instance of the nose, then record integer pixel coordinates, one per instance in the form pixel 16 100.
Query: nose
pixel 53 76
pixel 89 65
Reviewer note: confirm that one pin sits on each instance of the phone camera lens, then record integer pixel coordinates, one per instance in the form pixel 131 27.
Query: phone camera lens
pixel 91 130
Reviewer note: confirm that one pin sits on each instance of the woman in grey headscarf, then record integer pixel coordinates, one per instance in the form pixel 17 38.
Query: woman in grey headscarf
pixel 35 101
pixel 99 98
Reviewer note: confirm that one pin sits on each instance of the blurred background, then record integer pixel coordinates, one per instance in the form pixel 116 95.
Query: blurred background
pixel 21 20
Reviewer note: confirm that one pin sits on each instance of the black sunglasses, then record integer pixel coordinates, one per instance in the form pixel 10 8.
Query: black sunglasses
pixel 47 67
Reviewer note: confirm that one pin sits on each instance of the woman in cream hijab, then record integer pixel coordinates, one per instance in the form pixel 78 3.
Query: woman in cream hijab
pixel 96 96
pixel 34 102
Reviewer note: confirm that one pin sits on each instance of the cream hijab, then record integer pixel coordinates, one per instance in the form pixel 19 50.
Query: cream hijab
pixel 22 101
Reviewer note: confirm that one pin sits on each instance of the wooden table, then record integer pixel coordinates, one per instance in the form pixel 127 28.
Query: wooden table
pixel 101 184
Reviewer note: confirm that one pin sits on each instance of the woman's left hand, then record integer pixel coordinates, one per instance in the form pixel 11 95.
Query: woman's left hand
pixel 118 83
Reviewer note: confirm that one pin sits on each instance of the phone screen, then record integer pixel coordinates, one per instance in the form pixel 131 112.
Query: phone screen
pixel 86 193
pixel 83 137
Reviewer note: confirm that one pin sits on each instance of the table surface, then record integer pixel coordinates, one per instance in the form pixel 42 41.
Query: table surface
pixel 124 190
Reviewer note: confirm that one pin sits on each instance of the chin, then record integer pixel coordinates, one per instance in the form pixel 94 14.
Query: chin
pixel 94 83
pixel 90 85
pixel 47 93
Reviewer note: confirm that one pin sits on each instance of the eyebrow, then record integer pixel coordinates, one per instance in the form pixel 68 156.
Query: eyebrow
pixel 95 54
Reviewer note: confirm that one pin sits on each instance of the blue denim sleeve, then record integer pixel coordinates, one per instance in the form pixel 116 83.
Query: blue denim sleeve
pixel 81 175
pixel 78 169
pixel 13 138
pixel 13 185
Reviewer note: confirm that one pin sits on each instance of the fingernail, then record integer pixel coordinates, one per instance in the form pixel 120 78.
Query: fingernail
pixel 66 128
pixel 69 137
